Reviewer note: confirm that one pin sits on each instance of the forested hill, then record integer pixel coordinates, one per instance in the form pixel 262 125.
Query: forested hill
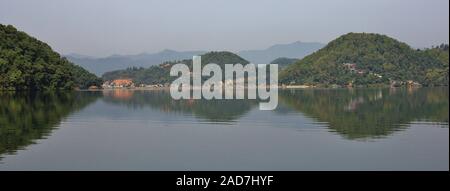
pixel 29 64
pixel 283 62
pixel 119 62
pixel 364 59
pixel 160 74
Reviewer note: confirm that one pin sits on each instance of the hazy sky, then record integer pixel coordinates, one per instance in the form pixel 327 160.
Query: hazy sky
pixel 104 27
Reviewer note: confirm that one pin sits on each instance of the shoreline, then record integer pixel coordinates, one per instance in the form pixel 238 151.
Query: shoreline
pixel 168 88
pixel 279 87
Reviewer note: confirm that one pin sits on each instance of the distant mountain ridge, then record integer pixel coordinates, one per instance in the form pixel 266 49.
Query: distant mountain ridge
pixel 116 62
pixel 293 50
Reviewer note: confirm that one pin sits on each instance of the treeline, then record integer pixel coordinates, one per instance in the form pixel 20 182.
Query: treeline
pixel 29 64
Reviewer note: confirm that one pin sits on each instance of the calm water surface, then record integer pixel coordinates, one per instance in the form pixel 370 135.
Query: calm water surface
pixel 359 129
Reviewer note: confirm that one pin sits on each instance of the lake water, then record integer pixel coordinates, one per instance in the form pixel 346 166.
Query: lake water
pixel 322 129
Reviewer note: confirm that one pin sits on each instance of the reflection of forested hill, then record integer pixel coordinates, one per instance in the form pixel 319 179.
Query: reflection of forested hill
pixel 370 113
pixel 212 110
pixel 25 118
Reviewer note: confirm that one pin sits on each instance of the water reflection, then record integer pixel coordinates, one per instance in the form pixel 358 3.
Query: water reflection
pixel 354 114
pixel 370 113
pixel 27 117
pixel 210 110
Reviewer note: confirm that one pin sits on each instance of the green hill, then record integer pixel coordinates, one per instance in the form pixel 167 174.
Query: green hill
pixel 29 64
pixel 367 59
pixel 160 74
pixel 284 62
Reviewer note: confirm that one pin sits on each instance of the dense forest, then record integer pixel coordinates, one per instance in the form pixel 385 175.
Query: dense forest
pixel 29 64
pixel 160 74
pixel 367 59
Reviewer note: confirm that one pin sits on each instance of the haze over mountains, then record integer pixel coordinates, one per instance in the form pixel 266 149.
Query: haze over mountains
pixel 293 50
pixel 353 59
pixel 359 59
pixel 115 62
